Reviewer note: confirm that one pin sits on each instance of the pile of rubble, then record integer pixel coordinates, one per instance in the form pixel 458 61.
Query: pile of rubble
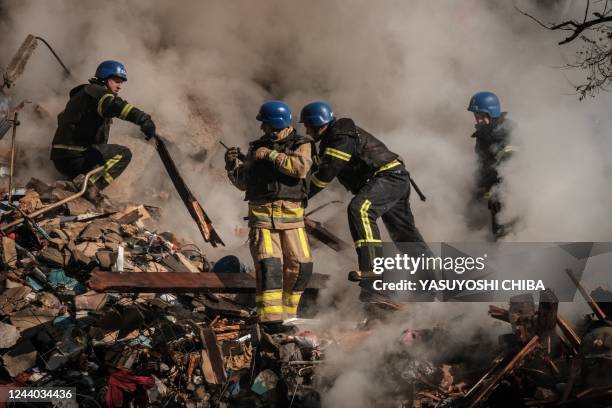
pixel 93 297
pixel 542 362
pixel 161 342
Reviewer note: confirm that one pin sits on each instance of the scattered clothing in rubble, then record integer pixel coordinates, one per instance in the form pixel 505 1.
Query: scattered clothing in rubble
pixel 121 382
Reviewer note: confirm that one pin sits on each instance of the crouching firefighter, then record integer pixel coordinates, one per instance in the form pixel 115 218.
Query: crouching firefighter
pixel 493 133
pixel 274 173
pixel 374 174
pixel 81 139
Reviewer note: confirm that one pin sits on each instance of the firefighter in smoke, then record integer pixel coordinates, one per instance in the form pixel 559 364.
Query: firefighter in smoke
pixel 493 132
pixel 374 174
pixel 274 175
pixel 81 139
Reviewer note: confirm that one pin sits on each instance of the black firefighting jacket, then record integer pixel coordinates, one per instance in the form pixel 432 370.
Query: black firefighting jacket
pixel 351 154
pixel 87 118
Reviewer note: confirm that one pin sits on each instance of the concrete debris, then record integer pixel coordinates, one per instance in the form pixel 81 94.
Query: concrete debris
pixel 179 345
pixel 9 252
pixel 20 358
pixel 8 335
pixel 30 202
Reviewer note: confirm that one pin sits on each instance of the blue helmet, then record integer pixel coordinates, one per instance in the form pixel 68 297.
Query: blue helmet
pixel 277 114
pixel 485 102
pixel 316 114
pixel 111 68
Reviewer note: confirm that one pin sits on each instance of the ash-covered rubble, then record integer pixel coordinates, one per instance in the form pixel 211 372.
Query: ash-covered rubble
pixel 188 348
pixel 95 297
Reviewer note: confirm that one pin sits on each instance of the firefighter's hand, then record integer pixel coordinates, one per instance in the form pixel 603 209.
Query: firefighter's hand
pixel 231 155
pixel 262 153
pixel 148 128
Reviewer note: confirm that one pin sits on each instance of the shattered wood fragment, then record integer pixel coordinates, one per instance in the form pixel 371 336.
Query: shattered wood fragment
pixel 507 369
pixel 547 311
pixel 522 315
pixel 569 333
pixel 182 282
pixel 17 65
pixel 196 211
pixel 179 262
pixel 592 303
pixel 499 313
pixel 9 252
pixel 131 215
pixel 319 232
pixel 212 356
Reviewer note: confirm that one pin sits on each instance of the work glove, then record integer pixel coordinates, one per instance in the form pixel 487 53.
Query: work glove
pixel 231 155
pixel 262 153
pixel 148 128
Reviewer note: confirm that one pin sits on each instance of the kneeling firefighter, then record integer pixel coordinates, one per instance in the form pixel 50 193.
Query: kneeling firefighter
pixel 274 173
pixel 81 139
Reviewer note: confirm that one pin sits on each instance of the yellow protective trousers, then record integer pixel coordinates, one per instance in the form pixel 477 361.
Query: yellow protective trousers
pixel 284 265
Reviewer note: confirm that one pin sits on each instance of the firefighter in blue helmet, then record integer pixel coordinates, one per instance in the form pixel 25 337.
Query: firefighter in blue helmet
pixel 493 133
pixel 374 174
pixel 274 175
pixel 81 139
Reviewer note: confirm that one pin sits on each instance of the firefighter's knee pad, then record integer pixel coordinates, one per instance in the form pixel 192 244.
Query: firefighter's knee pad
pixel 271 273
pixel 304 274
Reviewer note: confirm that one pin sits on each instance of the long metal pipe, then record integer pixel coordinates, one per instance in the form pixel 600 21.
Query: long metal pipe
pixel 35 214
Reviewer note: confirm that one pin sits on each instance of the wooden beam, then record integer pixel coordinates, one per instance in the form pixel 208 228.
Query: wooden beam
pixel 182 282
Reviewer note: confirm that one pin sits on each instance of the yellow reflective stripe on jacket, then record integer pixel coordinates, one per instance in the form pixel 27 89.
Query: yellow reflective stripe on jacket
pixel 126 111
pixel 101 102
pixel 273 154
pixel 317 182
pixel 338 154
pixel 388 166
pixel 68 147
pixel 364 242
pixel 365 220
pixel 304 242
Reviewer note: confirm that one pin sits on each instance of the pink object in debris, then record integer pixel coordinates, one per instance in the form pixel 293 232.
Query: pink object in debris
pixel 306 339
pixel 408 337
